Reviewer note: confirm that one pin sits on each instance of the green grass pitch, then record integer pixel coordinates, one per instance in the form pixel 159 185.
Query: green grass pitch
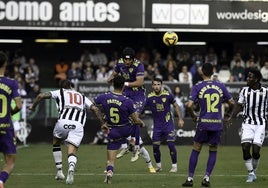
pixel 35 169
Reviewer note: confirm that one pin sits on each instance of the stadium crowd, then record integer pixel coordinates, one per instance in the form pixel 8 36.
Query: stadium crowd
pixel 183 66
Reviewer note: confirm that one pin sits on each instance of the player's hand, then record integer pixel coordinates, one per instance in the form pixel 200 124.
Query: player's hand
pixel 180 122
pixel 105 128
pixel 31 108
pixel 227 120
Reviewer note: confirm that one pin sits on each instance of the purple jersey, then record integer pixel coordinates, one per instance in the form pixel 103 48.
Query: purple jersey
pixel 210 95
pixel 130 74
pixel 117 108
pixel 160 107
pixel 8 91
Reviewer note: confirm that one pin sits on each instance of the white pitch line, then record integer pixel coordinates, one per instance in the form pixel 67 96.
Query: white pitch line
pixel 157 174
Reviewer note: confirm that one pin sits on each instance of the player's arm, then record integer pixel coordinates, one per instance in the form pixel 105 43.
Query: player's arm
pixel 190 110
pixel 137 120
pixel 114 74
pixel 18 106
pixel 178 111
pixel 137 83
pixel 41 96
pixel 237 108
pixel 229 113
pixel 99 115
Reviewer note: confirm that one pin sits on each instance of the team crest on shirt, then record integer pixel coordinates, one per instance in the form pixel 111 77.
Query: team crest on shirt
pixel 130 69
pixel 164 99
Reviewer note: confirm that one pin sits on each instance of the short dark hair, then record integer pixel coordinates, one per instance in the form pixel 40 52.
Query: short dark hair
pixel 118 82
pixel 207 69
pixel 157 80
pixel 3 58
pixel 128 53
pixel 66 84
pixel 257 74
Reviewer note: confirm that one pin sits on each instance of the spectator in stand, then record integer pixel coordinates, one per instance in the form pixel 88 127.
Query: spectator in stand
pixel 236 57
pixel 143 56
pixel 61 70
pixel 34 92
pixel 21 90
pixel 223 59
pixel 99 58
pixel 238 71
pixel 197 77
pixel 186 61
pixel 255 58
pixel 170 70
pixel 180 100
pixel 251 65
pixel 211 57
pixel 88 74
pixel 35 67
pixel 150 72
pixel 158 59
pixel 264 71
pixel 110 67
pixel 185 76
pixel 197 57
pixel 30 74
pixel 74 73
pixel 224 74
pixel 101 74
pixel 195 66
pixel 86 56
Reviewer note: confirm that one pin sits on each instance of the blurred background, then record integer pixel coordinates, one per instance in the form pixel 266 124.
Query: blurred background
pixel 80 40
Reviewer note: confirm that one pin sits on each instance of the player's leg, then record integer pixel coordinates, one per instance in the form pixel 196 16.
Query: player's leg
pixel 256 147
pixel 124 149
pixel 58 134
pixel 247 137
pixel 7 168
pixel 72 160
pixel 111 156
pixel 197 147
pixel 57 155
pixel 73 139
pixel 171 137
pixel 145 154
pixel 8 147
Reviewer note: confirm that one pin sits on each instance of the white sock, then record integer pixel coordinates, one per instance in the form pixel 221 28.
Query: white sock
pixel 124 146
pixel 159 165
pixel 58 159
pixel 72 160
pixel 146 156
pixel 174 165
pixel 248 164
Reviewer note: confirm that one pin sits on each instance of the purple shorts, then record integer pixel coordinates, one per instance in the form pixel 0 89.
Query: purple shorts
pixel 139 100
pixel 118 135
pixel 211 137
pixel 167 134
pixel 7 141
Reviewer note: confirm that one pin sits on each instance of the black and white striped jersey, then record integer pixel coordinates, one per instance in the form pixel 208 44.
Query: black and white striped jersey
pixel 255 105
pixel 71 105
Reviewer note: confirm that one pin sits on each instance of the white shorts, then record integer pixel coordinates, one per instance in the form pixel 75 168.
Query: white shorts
pixel 253 133
pixel 70 131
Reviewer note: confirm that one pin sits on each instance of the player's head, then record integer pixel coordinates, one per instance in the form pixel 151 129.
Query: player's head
pixel 118 82
pixel 254 77
pixel 207 69
pixel 3 58
pixel 66 84
pixel 157 85
pixel 128 56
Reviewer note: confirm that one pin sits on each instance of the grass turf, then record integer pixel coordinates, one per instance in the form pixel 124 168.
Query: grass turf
pixel 35 169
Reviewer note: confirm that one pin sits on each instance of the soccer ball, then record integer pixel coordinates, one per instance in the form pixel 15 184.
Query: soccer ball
pixel 170 38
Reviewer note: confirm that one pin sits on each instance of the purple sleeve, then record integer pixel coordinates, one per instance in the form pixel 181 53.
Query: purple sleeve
pixel 140 70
